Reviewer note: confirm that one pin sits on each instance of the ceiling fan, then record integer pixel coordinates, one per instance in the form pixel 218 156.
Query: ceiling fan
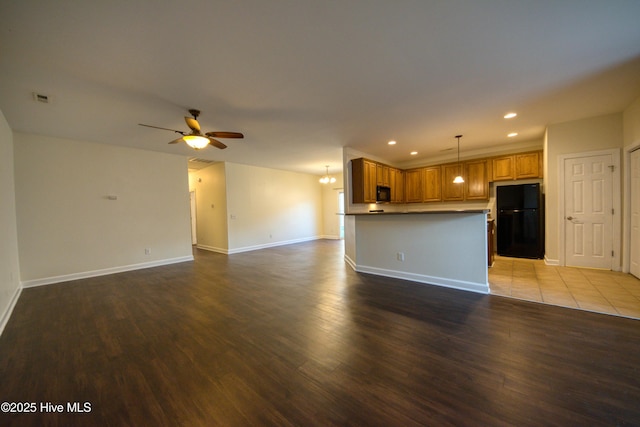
pixel 196 139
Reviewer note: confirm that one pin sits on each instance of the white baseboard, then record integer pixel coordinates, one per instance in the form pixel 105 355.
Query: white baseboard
pixel 212 249
pixel 4 319
pixel 257 247
pixel 351 262
pixel 103 272
pixel 330 237
pixel 549 261
pixel 481 288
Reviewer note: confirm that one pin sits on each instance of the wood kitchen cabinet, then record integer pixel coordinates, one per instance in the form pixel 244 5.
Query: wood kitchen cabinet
pixel 517 166
pixel 432 187
pixel 413 185
pixel 503 168
pixel 476 180
pixel 528 165
pixel 382 175
pixel 452 192
pixel 363 181
pixel 435 183
pixel 396 182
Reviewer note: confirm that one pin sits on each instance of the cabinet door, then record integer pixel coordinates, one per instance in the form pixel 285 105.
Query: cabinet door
pixel 413 180
pixel 432 188
pixel 369 182
pixel 451 191
pixel 528 165
pixel 363 181
pixel 476 180
pixel 503 168
pixel 382 175
pixel 396 182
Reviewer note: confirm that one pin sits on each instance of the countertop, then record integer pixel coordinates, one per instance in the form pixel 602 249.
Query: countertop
pixel 446 211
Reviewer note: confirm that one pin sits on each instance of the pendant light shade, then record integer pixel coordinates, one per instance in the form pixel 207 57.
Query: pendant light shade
pixel 327 179
pixel 458 179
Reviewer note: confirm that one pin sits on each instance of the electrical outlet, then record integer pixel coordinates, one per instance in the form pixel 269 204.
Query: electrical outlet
pixel 400 256
pixel 147 251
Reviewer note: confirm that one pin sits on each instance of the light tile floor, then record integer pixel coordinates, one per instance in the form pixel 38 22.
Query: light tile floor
pixel 601 291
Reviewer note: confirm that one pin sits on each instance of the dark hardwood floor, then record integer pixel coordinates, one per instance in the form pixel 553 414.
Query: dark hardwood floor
pixel 292 336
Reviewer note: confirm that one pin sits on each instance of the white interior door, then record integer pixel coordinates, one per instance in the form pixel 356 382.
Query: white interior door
pixel 588 186
pixel 634 261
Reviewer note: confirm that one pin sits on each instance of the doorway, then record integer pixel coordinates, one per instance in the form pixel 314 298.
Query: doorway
pixel 341 214
pixel 634 202
pixel 192 200
pixel 589 209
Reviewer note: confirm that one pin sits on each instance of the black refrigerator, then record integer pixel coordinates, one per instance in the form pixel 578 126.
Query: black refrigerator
pixel 520 225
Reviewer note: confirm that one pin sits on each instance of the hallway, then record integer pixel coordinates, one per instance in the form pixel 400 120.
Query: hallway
pixel 599 291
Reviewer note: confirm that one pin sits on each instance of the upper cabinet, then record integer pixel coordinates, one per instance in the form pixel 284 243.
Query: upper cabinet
pixel 517 166
pixel 435 183
pixel 366 175
pixel 363 181
pixel 529 165
pixel 413 185
pixel 452 192
pixel 382 175
pixel 503 168
pixel 396 183
pixel 432 189
pixel 476 180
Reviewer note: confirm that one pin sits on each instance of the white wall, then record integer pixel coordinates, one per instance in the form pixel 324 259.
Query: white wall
pixel 9 265
pixel 269 207
pixel 631 123
pixel 590 134
pixel 210 188
pixel 68 226
pixel 631 137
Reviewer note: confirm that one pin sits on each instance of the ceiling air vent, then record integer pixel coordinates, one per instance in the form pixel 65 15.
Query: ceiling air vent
pixel 196 163
pixel 39 97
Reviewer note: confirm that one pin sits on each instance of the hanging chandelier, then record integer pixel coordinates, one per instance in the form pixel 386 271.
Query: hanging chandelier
pixel 327 179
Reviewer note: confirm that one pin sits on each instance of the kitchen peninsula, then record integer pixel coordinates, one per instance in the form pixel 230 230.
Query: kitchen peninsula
pixel 439 247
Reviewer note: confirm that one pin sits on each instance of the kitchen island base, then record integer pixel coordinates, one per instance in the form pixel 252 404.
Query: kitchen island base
pixel 444 248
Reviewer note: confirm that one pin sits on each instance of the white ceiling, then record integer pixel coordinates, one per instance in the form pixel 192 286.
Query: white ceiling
pixel 302 79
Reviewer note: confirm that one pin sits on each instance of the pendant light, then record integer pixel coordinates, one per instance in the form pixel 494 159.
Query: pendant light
pixel 327 179
pixel 458 179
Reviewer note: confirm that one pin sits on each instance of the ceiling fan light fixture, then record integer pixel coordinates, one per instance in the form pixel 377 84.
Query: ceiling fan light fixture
pixel 195 141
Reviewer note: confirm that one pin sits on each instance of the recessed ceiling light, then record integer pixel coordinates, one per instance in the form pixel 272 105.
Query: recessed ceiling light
pixel 391 143
pixel 510 115
pixel 413 153
pixel 512 134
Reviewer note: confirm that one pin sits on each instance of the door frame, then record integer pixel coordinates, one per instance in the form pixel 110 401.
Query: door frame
pixel 626 235
pixel 616 203
pixel 194 220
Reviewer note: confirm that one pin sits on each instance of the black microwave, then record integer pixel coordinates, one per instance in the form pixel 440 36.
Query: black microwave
pixel 383 194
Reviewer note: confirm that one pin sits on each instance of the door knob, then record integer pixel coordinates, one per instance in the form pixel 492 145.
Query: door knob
pixel 570 218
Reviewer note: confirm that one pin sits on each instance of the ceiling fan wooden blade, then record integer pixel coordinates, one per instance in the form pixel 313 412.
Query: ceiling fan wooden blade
pixel 175 141
pixel 193 124
pixel 216 143
pixel 158 127
pixel 225 134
